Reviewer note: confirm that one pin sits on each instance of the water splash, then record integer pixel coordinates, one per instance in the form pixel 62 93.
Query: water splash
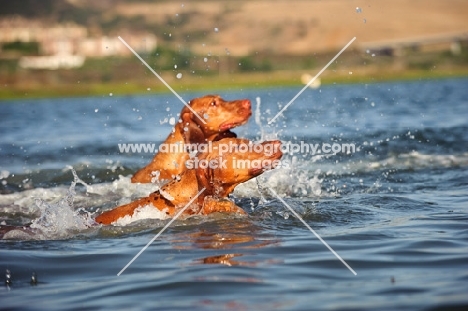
pixel 60 220
pixel 264 135
pixel 296 180
pixel 261 190
pixel 258 116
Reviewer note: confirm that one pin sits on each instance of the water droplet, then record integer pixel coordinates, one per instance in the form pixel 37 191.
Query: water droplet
pixel 205 59
pixel 175 66
pixel 168 109
pixel 350 72
pixel 216 29
pixel 172 121
pixel 373 55
pixel 8 277
pixel 34 279
pixel 96 110
pixel 179 75
pixel 110 94
pixel 367 51
pixel 358 10
pixel 148 89
pixel 206 116
pixel 373 104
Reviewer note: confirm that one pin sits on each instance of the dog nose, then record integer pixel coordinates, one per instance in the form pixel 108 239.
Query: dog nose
pixel 246 104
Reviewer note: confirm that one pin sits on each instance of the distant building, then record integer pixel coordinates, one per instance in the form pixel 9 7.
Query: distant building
pixel 51 62
pixel 67 40
pixel 110 46
pixel 440 42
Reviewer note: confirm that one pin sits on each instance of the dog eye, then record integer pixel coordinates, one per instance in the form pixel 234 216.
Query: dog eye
pixel 213 103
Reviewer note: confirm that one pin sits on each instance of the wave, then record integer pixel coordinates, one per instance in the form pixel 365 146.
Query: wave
pixel 58 211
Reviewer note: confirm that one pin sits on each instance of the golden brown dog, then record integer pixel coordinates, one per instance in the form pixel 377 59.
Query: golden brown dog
pixel 219 115
pixel 218 171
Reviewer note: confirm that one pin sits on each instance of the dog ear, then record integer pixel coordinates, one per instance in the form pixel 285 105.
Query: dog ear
pixel 190 129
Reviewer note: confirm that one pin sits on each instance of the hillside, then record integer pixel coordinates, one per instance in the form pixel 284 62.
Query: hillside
pixel 244 43
pixel 296 26
pixel 246 26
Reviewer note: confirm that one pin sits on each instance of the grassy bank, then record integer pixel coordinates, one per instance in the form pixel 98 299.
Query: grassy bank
pixel 219 83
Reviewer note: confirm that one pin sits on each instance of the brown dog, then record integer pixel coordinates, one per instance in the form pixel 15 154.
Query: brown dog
pixel 219 115
pixel 218 171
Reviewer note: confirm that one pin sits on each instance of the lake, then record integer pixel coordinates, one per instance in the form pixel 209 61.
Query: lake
pixel 394 208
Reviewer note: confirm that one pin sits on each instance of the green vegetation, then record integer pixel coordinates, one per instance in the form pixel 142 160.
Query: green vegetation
pixel 248 63
pixel 25 48
pixel 167 59
pixel 213 83
pixel 127 75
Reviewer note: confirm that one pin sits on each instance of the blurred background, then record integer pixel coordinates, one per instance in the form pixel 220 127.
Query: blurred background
pixel 65 48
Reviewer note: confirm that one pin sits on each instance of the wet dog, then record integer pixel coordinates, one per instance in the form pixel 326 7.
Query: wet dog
pixel 219 118
pixel 217 172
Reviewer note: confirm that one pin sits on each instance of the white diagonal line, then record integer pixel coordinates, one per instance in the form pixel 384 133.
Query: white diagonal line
pixel 312 81
pixel 160 232
pixel 162 80
pixel 312 230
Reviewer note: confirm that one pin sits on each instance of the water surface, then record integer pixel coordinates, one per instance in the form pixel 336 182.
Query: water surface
pixel 395 209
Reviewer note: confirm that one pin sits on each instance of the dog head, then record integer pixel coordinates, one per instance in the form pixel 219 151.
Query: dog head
pixel 210 118
pixel 233 161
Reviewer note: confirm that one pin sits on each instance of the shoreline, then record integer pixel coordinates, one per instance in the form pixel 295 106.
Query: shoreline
pixel 215 83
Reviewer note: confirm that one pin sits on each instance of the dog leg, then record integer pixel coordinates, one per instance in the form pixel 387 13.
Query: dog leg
pixel 222 205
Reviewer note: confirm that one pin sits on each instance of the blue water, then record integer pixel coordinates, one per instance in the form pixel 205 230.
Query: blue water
pixel 395 210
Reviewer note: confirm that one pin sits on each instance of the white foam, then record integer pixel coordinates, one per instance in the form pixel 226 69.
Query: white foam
pixel 61 220
pixel 285 182
pixel 412 160
pixel 144 212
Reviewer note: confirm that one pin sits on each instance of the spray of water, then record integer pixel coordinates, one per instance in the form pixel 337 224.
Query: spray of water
pixel 297 180
pixel 61 220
